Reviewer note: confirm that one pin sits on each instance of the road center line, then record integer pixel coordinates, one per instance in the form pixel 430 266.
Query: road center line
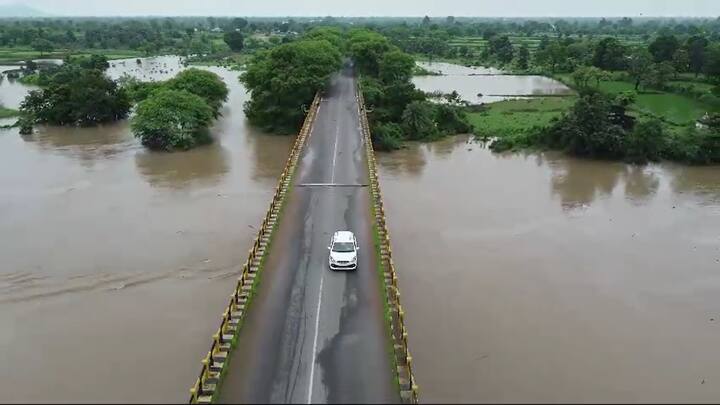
pixel 314 352
pixel 337 133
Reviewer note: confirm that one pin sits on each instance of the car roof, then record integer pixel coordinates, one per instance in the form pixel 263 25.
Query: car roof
pixel 343 236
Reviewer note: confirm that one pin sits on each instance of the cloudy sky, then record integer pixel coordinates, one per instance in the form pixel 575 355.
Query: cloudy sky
pixel 491 8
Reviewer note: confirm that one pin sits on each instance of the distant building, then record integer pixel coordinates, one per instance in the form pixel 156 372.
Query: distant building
pixel 701 123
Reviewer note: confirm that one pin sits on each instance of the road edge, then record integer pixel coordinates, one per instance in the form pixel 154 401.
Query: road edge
pixel 215 364
pixel 393 312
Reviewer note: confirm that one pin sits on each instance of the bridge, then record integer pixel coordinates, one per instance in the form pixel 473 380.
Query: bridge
pixel 294 331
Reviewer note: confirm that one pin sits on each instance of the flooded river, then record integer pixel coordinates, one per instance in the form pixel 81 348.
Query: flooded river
pixel 541 278
pixel 526 277
pixel 117 262
pixel 478 85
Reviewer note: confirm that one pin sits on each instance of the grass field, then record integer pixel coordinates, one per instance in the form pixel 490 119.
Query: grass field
pixel 532 42
pixel 678 109
pixel 519 115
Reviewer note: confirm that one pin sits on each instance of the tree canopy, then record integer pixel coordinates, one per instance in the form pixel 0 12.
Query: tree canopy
pixel 285 78
pixel 76 95
pixel 172 119
pixel 205 84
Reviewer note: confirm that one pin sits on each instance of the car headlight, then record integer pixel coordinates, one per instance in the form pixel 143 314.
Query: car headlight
pixel 354 259
pixel 332 260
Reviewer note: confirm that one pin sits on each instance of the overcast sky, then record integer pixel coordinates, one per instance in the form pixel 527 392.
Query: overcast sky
pixel 490 8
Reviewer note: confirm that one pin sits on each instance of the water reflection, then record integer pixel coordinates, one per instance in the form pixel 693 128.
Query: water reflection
pixel 641 183
pixel 580 182
pixel 206 165
pixel 703 182
pixel 407 161
pixel 86 145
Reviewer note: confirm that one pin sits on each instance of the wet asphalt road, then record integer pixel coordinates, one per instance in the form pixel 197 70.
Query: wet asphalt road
pixel 314 335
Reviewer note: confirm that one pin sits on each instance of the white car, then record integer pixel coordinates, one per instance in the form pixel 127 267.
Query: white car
pixel 343 251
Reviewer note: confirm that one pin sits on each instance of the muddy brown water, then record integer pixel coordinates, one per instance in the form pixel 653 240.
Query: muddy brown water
pixel 541 278
pixel 478 85
pixel 525 277
pixel 118 262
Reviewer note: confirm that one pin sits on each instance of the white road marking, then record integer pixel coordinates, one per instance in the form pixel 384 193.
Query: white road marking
pixel 337 133
pixel 314 352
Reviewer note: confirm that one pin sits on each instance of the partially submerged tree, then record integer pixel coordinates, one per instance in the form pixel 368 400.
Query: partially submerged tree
pixel 172 119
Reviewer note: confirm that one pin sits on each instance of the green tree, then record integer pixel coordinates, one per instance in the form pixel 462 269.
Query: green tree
pixel 395 66
pixel 663 48
pixel 235 40
pixel 43 46
pixel 585 76
pixel 207 85
pixel 660 74
pixel 523 60
pixel 172 119
pixel 639 66
pixel 284 79
pixel 77 96
pixel 97 62
pixel 681 60
pixel 696 48
pixel 609 54
pixel 417 121
pixel 645 142
pixel 712 62
pixel 589 129
pixel 239 23
pixel 502 48
pixel 387 136
pixel 367 48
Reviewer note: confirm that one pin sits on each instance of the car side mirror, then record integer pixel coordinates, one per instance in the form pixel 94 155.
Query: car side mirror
pixel 329 247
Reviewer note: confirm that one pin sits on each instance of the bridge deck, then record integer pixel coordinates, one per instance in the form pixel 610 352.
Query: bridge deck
pixel 313 335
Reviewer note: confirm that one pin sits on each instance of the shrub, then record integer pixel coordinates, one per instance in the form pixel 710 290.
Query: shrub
pixel 172 119
pixel 645 142
pixel 388 136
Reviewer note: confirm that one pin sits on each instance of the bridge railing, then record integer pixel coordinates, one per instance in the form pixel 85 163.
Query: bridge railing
pixel 408 387
pixel 213 367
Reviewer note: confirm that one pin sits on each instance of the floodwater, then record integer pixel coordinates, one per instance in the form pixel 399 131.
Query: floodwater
pixel 540 278
pixel 117 262
pixel 478 85
pixel 525 277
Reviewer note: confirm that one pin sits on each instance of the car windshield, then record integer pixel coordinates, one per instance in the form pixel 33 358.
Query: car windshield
pixel 343 247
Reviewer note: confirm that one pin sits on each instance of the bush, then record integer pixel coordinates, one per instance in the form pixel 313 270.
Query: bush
pixel 452 120
pixel 646 142
pixel 697 146
pixel 388 136
pixel 77 96
pixel 202 83
pixel 172 119
pixel 590 129
pixel 418 121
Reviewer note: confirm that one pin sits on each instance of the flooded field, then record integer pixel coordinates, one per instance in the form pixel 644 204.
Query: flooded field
pixel 526 277
pixel 479 85
pixel 117 262
pixel 541 278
